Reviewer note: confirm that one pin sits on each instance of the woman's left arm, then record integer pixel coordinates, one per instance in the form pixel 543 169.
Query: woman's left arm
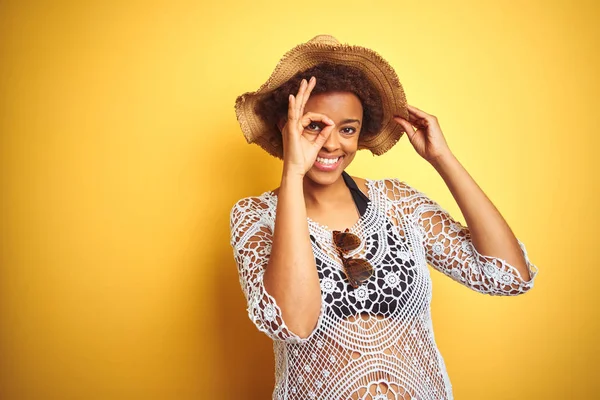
pixel 489 232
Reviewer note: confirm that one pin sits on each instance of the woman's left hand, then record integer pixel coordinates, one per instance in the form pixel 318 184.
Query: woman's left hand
pixel 428 139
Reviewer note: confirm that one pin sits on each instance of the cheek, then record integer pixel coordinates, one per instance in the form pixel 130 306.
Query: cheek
pixel 348 159
pixel 351 144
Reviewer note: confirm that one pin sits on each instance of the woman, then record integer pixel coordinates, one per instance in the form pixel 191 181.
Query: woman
pixel 334 268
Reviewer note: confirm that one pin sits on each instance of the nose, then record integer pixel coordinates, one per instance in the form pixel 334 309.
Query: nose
pixel 333 142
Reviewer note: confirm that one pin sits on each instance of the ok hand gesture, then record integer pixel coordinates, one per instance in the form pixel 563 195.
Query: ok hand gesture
pixel 300 148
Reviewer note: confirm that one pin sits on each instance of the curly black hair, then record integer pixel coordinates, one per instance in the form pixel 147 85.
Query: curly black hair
pixel 330 78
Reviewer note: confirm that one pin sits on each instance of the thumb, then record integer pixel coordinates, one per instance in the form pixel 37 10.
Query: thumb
pixel 408 128
pixel 323 136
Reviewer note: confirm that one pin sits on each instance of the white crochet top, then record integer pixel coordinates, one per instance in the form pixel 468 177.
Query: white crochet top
pixel 376 341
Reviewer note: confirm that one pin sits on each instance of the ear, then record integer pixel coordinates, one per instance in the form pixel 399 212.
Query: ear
pixel 281 123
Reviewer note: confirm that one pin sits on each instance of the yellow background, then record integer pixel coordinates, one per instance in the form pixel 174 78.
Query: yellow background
pixel 120 158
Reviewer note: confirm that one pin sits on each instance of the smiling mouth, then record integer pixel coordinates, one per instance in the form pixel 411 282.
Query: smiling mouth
pixel 328 161
pixel 328 164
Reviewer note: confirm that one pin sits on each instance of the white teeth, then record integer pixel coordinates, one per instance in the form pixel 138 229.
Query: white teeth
pixel 327 161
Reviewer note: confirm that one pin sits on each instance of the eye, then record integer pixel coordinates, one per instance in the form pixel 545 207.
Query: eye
pixel 348 130
pixel 313 126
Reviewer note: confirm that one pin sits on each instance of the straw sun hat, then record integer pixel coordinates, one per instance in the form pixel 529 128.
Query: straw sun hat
pixel 326 48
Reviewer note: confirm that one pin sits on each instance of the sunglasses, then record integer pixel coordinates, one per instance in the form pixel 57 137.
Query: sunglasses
pixel 358 271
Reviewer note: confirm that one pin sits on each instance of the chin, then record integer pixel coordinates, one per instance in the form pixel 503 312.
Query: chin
pixel 324 178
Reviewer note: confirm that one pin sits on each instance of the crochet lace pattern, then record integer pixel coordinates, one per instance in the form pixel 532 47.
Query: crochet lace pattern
pixel 375 342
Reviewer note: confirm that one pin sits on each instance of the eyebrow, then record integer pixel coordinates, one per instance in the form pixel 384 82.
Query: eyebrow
pixel 347 121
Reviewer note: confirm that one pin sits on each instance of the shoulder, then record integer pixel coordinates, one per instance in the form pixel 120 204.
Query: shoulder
pixel 361 183
pixel 251 207
pixel 251 216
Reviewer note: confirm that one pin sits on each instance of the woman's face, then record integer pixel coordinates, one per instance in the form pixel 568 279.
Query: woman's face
pixel 346 111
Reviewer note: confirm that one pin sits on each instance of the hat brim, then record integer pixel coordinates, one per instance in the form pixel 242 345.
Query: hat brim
pixel 306 55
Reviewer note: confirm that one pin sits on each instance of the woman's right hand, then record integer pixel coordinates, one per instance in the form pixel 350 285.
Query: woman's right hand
pixel 301 146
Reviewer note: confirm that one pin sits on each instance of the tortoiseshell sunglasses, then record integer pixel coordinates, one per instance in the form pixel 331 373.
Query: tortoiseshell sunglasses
pixel 358 271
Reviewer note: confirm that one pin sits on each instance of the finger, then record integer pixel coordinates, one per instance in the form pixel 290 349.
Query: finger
pixel 300 96
pixel 408 127
pixel 415 119
pixel 311 85
pixel 292 116
pixel 411 117
pixel 313 117
pixel 418 121
pixel 323 136
pixel 419 113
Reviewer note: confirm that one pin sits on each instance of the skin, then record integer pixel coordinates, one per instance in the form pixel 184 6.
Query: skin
pixel 326 196
pixel 314 127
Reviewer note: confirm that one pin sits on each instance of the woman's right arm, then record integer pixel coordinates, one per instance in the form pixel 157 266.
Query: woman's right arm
pixel 252 226
pixel 276 263
pixel 291 274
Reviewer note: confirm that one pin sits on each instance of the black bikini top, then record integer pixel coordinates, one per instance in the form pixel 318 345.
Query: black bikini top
pixel 360 199
pixel 398 296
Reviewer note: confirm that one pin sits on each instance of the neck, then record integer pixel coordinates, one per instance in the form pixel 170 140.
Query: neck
pixel 316 195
